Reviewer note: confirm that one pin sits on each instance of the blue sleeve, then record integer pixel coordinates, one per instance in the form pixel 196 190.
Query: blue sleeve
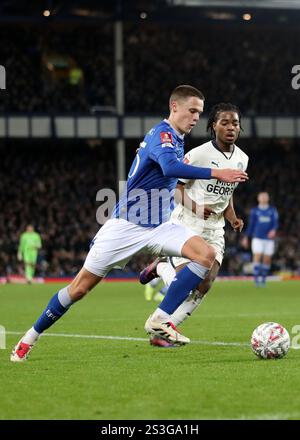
pixel 171 167
pixel 250 228
pixel 275 219
pixel 157 147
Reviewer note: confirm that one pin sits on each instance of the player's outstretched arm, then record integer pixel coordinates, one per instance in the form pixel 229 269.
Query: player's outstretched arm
pixel 229 176
pixel 171 167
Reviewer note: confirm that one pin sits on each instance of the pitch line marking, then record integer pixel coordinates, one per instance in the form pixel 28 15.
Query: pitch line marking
pixel 126 338
pixel 270 416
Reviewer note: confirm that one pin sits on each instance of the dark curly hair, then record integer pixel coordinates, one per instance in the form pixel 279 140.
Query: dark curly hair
pixel 216 110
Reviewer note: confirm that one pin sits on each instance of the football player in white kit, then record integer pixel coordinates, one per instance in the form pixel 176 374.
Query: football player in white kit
pixel 203 206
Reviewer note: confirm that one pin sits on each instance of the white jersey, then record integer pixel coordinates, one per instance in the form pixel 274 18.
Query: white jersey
pixel 213 192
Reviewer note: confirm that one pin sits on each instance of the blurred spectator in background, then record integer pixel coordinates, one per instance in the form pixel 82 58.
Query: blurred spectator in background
pixel 75 76
pixel 261 230
pixel 29 246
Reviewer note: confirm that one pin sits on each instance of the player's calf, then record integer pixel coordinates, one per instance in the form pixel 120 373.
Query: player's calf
pixel 58 305
pixel 206 285
pixel 82 284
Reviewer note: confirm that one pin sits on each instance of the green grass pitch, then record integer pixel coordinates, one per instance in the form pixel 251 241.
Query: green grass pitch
pixel 127 379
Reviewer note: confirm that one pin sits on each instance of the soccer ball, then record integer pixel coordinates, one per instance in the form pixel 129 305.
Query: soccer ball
pixel 270 341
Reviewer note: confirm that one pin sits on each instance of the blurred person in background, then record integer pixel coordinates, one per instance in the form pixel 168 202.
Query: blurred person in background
pixel 155 290
pixel 262 227
pixel 29 245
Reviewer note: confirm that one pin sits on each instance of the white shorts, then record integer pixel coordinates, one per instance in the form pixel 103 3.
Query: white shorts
pixel 261 246
pixel 214 237
pixel 118 240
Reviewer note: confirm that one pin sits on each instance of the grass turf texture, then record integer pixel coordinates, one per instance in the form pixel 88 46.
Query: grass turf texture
pixel 72 378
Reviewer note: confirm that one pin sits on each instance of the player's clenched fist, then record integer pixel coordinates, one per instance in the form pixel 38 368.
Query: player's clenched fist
pixel 237 225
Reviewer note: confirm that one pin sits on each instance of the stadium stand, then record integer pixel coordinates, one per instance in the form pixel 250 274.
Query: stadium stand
pixel 60 197
pixel 41 60
pixel 44 58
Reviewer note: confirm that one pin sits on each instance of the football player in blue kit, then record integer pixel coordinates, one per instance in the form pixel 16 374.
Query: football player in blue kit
pixel 140 222
pixel 262 227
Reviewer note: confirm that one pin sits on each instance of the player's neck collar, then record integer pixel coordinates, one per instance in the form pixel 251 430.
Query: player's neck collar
pixel 177 132
pixel 214 142
pixel 263 206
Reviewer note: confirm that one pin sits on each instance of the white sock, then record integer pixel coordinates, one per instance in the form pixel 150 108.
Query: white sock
pixel 31 336
pixel 64 297
pixel 187 307
pixel 160 316
pixel 153 283
pixel 167 273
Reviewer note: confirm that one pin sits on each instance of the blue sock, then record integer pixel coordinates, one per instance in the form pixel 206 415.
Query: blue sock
pixel 52 313
pixel 264 272
pixel 256 272
pixel 185 281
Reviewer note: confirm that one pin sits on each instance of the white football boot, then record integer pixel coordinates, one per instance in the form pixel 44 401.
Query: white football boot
pixel 165 330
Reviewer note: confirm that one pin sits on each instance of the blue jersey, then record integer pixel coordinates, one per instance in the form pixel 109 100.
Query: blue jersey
pixel 148 197
pixel 262 221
